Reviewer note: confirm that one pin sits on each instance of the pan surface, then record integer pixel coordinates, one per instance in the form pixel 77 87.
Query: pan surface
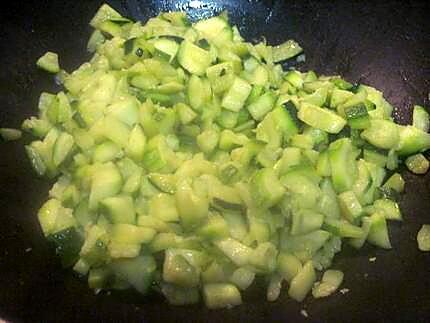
pixel 383 44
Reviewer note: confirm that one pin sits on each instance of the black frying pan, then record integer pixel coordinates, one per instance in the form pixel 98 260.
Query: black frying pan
pixel 384 44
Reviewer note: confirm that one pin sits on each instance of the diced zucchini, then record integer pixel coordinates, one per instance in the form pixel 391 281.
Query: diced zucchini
pixel 382 134
pixel 417 164
pixel 177 270
pixel 378 232
pixel 193 58
pixel 365 227
pixel 242 278
pixel 357 116
pixel 120 209
pixel 412 140
pixel 235 97
pixel 9 134
pixel 321 118
pixel 286 50
pixel 420 118
pixel 350 206
pixel 343 165
pixel 49 62
pixel 423 238
pixel 221 295
pixel 302 283
pixel 266 188
pixel 288 266
pixel 138 272
pixel 106 182
pixel 330 282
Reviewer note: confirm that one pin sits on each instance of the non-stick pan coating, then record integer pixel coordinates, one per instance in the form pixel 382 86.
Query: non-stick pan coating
pixel 385 44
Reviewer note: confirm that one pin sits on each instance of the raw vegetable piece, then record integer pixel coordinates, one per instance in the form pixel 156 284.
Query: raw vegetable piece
pixel 9 134
pixel 49 62
pixel 330 282
pixel 417 164
pixel 423 238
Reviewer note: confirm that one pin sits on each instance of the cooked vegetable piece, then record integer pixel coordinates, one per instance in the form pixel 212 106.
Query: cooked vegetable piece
pixel 188 162
pixel 286 50
pixel 330 282
pixel 423 238
pixel 420 118
pixel 49 62
pixel 302 283
pixel 417 164
pixel 221 295
pixel 9 134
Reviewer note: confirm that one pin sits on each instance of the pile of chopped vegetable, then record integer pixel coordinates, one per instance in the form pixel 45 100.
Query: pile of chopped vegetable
pixel 189 162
